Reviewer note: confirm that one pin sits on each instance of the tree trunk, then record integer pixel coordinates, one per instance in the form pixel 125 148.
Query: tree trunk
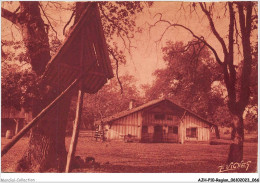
pixel 35 35
pixel 238 107
pixel 46 147
pixel 236 148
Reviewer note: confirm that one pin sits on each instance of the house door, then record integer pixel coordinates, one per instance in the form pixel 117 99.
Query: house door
pixel 158 134
pixel 173 134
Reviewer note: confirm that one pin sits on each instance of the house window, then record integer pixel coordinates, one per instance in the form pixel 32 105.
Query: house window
pixel 173 129
pixel 191 132
pixel 169 117
pixel 144 129
pixel 159 116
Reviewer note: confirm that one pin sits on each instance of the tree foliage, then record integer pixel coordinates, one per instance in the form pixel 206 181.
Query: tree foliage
pixel 108 101
pixel 189 79
pixel 18 89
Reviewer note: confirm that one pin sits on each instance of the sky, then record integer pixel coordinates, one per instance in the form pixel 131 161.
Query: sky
pixel 147 56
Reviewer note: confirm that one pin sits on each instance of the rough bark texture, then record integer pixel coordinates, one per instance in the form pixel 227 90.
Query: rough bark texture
pixel 35 35
pixel 46 149
pixel 236 148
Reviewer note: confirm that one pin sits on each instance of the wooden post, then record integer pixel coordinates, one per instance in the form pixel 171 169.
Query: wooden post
pixel 16 126
pixel 182 129
pixel 75 134
pixel 8 146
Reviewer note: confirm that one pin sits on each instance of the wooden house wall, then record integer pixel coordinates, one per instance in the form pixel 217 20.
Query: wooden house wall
pixel 203 129
pixel 130 124
pixel 15 125
pixel 150 121
pixel 13 119
pixel 13 113
pixel 133 123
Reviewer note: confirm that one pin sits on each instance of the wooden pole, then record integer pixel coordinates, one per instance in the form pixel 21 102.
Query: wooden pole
pixel 8 146
pixel 16 126
pixel 77 121
pixel 181 127
pixel 75 134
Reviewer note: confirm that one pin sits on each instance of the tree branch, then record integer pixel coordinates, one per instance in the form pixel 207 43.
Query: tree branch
pixel 117 65
pixel 249 8
pixel 48 20
pixel 231 33
pixel 68 22
pixel 213 28
pixel 12 17
pixel 245 26
pixel 230 61
pixel 192 33
pixel 119 29
pixel 241 18
pixel 17 10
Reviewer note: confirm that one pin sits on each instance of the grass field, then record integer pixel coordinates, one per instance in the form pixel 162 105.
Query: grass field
pixel 145 157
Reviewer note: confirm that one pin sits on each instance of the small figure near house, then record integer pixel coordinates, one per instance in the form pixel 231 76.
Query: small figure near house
pixel 100 132
pixel 97 133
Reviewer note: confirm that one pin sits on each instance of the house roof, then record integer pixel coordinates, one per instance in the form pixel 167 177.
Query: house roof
pixel 146 105
pixel 84 49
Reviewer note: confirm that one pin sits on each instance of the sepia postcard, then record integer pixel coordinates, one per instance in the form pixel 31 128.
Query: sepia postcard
pixel 94 90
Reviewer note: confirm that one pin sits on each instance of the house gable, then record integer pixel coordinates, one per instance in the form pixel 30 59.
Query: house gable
pixel 157 106
pixel 158 121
